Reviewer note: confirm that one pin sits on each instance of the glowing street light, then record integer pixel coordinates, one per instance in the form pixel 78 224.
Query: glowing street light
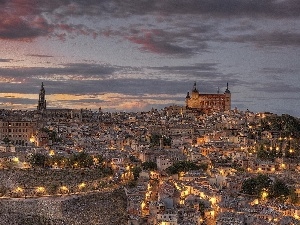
pixel 64 189
pixel 15 159
pixel 81 186
pixel 264 195
pixel 51 153
pixel 19 190
pixel 40 190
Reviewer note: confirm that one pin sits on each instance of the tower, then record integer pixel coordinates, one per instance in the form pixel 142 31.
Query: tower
pixel 227 99
pixel 192 99
pixel 42 101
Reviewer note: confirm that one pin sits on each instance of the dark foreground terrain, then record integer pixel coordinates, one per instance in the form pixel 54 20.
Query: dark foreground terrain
pixel 99 208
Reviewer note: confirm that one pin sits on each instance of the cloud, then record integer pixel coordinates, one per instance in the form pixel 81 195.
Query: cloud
pixel 6 60
pixel 219 8
pixel 83 78
pixel 267 39
pixel 180 30
pixel 40 56
pixel 184 41
pixel 73 31
pixel 71 70
pixel 157 41
pixel 241 26
pixel 207 76
pixel 26 20
pixel 188 68
pixel 276 87
pixel 233 8
pixel 24 27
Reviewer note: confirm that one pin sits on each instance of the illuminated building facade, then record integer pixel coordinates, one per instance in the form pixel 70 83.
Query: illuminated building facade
pixel 208 103
pixel 17 132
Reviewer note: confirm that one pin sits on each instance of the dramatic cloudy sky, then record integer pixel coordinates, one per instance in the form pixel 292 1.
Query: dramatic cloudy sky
pixel 137 54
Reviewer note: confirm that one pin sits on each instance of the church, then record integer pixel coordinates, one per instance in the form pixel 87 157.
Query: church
pixel 208 103
pixel 56 113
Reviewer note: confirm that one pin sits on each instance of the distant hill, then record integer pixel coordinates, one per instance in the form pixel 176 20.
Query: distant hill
pixel 286 124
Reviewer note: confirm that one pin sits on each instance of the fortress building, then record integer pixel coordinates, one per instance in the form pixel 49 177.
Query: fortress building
pixel 208 103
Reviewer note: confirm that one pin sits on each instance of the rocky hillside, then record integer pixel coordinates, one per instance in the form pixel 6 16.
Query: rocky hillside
pixel 108 207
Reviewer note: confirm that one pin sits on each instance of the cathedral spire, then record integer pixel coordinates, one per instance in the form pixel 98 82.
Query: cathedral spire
pixel 42 100
pixel 227 90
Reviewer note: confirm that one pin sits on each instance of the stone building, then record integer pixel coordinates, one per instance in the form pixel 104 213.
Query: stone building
pixel 60 114
pixel 208 103
pixel 17 132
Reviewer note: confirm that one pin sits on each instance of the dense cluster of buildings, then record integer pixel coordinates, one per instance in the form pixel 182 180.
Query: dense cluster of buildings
pixel 227 143
pixel 206 131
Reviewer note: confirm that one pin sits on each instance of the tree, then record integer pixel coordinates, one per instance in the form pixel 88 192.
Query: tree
pixel 98 161
pixel 58 160
pixel 6 140
pixel 167 141
pixel 136 172
pixel 202 208
pixel 81 160
pixel 293 196
pixel 184 166
pixel 249 186
pixel 133 159
pixel 263 182
pixel 154 139
pixel 53 135
pixel 280 190
pixel 132 183
pixel 149 166
pixel 38 160
pixel 286 124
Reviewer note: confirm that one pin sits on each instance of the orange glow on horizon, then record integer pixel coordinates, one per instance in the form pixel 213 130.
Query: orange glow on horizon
pixel 107 101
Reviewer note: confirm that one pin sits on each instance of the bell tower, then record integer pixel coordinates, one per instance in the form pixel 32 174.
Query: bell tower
pixel 227 99
pixel 42 101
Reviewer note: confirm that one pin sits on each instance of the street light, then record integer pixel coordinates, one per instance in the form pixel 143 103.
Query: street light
pixel 19 192
pixel 40 190
pixel 264 195
pixel 32 140
pixel 81 186
pixel 64 190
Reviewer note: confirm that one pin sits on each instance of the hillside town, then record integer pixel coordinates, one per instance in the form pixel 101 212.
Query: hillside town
pixel 177 165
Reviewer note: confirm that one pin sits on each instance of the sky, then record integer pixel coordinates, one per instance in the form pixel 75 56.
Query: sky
pixel 134 55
